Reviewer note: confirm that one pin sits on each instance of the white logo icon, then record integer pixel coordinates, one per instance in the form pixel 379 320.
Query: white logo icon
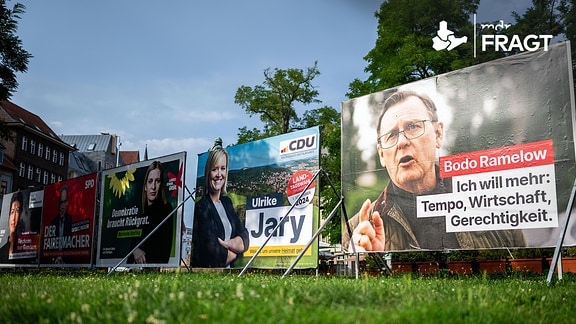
pixel 446 38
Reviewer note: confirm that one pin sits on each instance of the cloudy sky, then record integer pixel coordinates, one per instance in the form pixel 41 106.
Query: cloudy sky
pixel 163 74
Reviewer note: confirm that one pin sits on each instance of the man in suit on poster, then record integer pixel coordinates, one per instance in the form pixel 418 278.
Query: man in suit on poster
pixel 62 222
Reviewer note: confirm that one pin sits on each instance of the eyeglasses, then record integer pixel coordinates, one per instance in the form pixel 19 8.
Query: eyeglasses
pixel 412 129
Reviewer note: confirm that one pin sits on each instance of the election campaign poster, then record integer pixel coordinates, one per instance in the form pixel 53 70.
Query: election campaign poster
pixel 269 203
pixel 140 211
pixel 68 222
pixel 20 228
pixel 478 158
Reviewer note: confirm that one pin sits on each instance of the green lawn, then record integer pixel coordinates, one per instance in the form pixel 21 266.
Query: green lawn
pixel 145 297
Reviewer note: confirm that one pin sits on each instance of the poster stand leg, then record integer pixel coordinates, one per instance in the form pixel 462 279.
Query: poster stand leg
pixel 190 194
pixel 356 254
pixel 556 260
pixel 152 232
pixel 339 204
pixel 280 223
pixel 315 236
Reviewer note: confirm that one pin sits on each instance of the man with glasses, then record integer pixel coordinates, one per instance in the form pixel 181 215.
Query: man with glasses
pixel 409 133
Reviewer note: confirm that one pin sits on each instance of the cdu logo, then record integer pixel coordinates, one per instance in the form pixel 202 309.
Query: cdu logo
pixel 298 144
pixel 445 38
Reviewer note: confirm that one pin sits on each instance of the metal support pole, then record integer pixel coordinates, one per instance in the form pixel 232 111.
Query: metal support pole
pixel 280 223
pixel 555 258
pixel 149 234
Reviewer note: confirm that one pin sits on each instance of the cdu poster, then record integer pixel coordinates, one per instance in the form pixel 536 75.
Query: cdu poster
pixel 269 184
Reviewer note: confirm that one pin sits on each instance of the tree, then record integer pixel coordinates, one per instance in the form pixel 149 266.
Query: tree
pixel 274 101
pixel 567 11
pixel 567 16
pixel 541 19
pixel 403 51
pixel 329 120
pixel 13 58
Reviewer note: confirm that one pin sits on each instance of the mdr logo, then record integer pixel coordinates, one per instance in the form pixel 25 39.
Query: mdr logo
pixel 445 39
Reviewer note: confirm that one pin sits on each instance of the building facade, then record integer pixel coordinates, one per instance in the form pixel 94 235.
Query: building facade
pixel 37 155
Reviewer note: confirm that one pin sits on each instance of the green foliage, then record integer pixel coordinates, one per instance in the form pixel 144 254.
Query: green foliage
pixel 274 101
pixel 462 255
pixel 329 120
pixel 571 251
pixel 258 298
pixel 417 256
pixel 567 12
pixel 403 51
pixel 13 58
pixel 246 135
pixel 493 254
pixel 533 253
pixel 540 19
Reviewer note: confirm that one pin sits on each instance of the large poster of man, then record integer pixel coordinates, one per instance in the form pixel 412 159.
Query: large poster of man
pixel 20 227
pixel 245 192
pixel 478 158
pixel 136 201
pixel 68 222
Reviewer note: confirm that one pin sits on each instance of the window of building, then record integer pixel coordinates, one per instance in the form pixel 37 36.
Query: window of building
pixel 40 149
pixel 61 159
pixel 52 178
pixel 38 175
pixel 54 156
pixel 24 143
pixel 30 172
pixel 91 147
pixel 33 146
pixel 47 153
pixel 3 187
pixel 45 177
pixel 59 178
pixel 22 170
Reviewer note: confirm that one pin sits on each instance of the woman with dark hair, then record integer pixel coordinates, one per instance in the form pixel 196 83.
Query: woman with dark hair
pixel 219 236
pixel 157 248
pixel 15 224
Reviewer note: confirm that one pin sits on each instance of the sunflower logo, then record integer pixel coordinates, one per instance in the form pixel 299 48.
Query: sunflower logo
pixel 119 186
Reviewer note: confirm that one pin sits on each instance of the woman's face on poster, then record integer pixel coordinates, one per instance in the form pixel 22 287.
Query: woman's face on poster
pixel 153 184
pixel 218 174
pixel 15 211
